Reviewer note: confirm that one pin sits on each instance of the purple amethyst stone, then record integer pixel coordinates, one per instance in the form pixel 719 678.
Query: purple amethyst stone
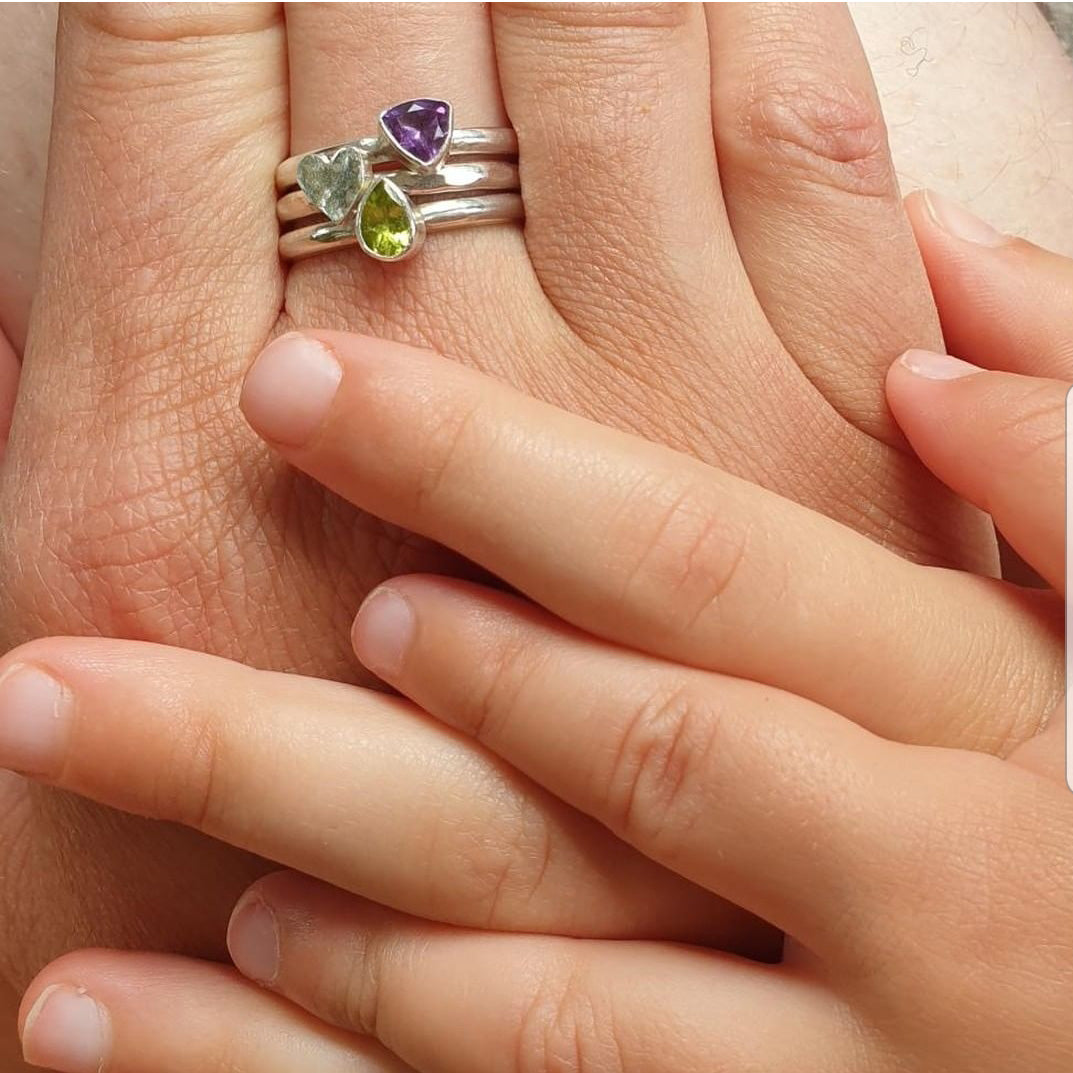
pixel 419 127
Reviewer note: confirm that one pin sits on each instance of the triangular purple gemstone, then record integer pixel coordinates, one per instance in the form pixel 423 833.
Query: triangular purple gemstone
pixel 420 127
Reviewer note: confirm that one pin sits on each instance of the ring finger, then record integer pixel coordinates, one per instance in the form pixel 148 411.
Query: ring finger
pixel 347 63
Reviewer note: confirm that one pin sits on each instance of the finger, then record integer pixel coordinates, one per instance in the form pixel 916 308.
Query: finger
pixel 132 269
pixel 813 199
pixel 646 547
pixel 198 740
pixel 128 1013
pixel 1003 302
pixel 699 771
pixel 605 99
pixel 997 439
pixel 27 53
pixel 783 806
pixel 348 62
pixel 553 1003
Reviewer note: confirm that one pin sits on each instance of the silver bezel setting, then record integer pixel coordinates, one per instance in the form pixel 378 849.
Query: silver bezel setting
pixel 388 139
pixel 413 216
pixel 329 157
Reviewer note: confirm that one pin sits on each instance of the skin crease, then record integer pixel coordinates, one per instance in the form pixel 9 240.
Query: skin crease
pixel 925 893
pixel 28 616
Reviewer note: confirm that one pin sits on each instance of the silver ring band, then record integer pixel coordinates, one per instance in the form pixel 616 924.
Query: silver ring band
pixel 472 177
pixel 388 213
pixel 444 214
pixel 471 141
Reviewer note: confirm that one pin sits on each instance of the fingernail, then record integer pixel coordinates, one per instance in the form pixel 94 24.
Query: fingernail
pixel 33 721
pixel 932 366
pixel 383 631
pixel 67 1030
pixel 959 222
pixel 290 388
pixel 253 940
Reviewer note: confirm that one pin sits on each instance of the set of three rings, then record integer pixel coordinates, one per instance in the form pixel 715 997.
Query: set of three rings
pixel 386 192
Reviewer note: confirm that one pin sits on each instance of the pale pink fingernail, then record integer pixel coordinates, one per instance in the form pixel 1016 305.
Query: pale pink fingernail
pixel 959 222
pixel 383 631
pixel 933 366
pixel 34 721
pixel 253 940
pixel 290 388
pixel 67 1030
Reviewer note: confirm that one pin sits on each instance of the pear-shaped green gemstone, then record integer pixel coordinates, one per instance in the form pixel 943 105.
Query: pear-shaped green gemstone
pixel 385 225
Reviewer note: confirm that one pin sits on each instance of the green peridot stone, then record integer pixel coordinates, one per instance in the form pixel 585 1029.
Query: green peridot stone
pixel 384 224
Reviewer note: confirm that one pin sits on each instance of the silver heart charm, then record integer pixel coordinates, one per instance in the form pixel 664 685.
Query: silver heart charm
pixel 333 180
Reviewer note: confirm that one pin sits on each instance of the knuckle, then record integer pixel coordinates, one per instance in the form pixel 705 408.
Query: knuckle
pixel 151 78
pixel 658 780
pixel 513 664
pixel 112 551
pixel 568 1027
pixel 685 560
pixel 149 61
pixel 164 23
pixel 350 993
pixel 193 790
pixel 449 446
pixel 502 870
pixel 1020 671
pixel 136 529
pixel 823 131
pixel 579 21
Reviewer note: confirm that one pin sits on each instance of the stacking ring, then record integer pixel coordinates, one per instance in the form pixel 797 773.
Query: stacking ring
pixel 387 192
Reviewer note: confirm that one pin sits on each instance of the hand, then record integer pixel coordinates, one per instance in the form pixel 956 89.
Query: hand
pixel 714 319
pixel 733 720
pixel 26 45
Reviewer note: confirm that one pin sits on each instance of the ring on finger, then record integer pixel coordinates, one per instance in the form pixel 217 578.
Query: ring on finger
pixel 375 209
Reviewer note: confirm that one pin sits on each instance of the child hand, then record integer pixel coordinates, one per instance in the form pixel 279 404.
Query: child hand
pixel 722 680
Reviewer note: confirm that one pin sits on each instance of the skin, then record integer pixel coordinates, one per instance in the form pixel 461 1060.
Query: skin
pixel 26 68
pixel 26 63
pixel 928 60
pixel 920 890
pixel 98 371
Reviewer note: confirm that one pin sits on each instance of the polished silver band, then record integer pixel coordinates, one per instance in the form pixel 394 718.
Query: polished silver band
pixel 444 214
pixel 479 176
pixel 473 141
